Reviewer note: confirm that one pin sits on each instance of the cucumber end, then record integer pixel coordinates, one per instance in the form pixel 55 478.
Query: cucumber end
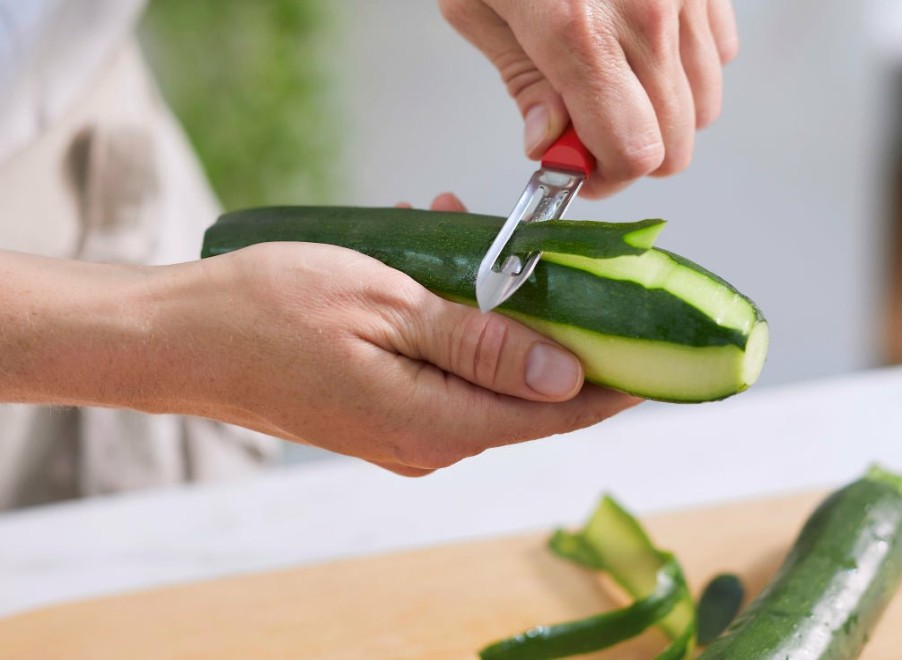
pixel 755 354
pixel 881 475
pixel 644 237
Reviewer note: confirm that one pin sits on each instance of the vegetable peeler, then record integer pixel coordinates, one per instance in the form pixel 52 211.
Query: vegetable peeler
pixel 565 166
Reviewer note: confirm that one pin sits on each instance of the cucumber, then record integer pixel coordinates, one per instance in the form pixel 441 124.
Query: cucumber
pixel 642 320
pixel 835 582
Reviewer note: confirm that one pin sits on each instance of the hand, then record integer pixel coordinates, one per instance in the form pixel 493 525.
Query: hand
pixel 311 343
pixel 323 345
pixel 636 77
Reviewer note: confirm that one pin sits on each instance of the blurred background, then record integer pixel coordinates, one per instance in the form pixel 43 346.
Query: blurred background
pixel 793 195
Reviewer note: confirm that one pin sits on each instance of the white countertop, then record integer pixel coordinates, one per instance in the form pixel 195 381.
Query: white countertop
pixel 654 458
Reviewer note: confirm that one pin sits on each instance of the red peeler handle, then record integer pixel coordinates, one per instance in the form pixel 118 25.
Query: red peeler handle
pixel 569 153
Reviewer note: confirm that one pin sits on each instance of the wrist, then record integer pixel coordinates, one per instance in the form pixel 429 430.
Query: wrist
pixel 75 333
pixel 186 309
pixel 65 327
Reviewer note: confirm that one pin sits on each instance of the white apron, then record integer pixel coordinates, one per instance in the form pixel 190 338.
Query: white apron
pixel 111 178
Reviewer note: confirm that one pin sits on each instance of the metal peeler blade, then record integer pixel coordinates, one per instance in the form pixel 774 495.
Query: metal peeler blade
pixel 565 167
pixel 547 196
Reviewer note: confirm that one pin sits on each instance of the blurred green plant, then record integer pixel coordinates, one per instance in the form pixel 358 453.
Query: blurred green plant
pixel 251 84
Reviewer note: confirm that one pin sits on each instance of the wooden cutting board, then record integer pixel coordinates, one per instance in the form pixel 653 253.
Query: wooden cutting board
pixel 437 603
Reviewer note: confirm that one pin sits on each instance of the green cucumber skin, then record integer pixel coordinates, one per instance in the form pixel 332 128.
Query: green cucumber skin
pixel 442 252
pixel 718 606
pixel 810 610
pixel 614 541
pixel 410 241
pixel 595 632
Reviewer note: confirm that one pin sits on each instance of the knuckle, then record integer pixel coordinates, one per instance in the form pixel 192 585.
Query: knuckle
pixel 403 296
pixel 678 155
pixel 401 304
pixel 587 28
pixel 519 75
pixel 480 343
pixel 675 161
pixel 656 24
pixel 573 18
pixel 634 163
pixel 408 302
pixel 589 31
pixel 654 19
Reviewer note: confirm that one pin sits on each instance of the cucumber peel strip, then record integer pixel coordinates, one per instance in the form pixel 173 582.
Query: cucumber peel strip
pixel 613 541
pixel 595 632
pixel 586 238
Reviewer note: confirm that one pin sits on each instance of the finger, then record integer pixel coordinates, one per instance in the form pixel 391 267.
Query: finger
pixel 618 123
pixel 598 187
pixel 723 26
pixel 653 51
pixel 583 60
pixel 403 205
pixel 510 421
pixel 540 105
pixel 701 62
pixel 490 350
pixel 470 419
pixel 448 202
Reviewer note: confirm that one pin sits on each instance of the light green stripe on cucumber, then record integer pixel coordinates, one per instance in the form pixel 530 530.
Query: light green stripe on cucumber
pixel 674 372
pixel 657 269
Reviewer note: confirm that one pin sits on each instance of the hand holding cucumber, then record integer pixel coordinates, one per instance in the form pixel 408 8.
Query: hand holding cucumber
pixel 636 77
pixel 350 355
pixel 311 343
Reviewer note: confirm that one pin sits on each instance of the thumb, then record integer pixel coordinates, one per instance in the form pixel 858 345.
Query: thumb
pixel 542 108
pixel 493 352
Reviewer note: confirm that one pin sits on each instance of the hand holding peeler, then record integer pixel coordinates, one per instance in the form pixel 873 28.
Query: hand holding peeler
pixel 565 166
